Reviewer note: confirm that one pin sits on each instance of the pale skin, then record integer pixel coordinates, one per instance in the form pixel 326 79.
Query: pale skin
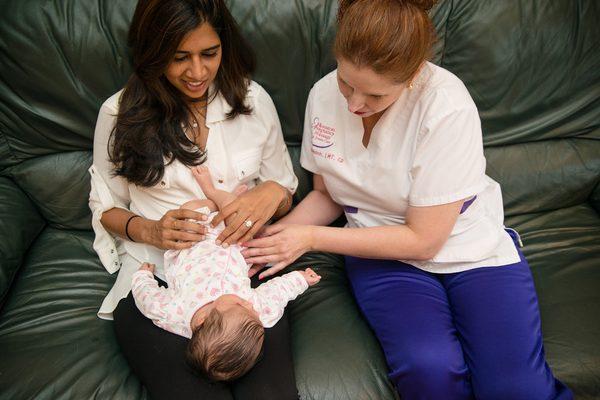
pixel 193 68
pixel 368 95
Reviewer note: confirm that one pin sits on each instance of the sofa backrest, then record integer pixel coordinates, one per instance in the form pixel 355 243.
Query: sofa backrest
pixel 533 69
pixel 531 66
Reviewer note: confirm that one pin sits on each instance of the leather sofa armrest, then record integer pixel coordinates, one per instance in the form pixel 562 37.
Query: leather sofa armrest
pixel 20 223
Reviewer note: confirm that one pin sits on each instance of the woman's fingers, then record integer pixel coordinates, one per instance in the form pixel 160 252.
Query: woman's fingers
pixel 258 251
pixel 254 269
pixel 266 259
pixel 250 234
pixel 225 213
pixel 184 214
pixel 273 270
pixel 186 236
pixel 267 241
pixel 188 226
pixel 235 229
pixel 177 229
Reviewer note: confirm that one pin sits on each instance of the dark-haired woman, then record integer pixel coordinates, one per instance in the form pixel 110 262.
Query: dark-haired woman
pixel 189 101
pixel 395 142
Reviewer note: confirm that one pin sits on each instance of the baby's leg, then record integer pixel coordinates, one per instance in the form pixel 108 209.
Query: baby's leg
pixel 199 203
pixel 220 197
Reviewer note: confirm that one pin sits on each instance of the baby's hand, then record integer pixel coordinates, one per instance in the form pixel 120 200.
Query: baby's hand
pixel 147 267
pixel 312 278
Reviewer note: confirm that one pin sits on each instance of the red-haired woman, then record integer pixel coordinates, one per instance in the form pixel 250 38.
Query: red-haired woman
pixel 395 142
pixel 189 101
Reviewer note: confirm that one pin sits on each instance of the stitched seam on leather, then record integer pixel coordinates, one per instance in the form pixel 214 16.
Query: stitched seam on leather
pixel 446 33
pixel 5 140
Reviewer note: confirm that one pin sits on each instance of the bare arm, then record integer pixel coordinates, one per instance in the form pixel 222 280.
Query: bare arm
pixel 317 208
pixel 421 238
pixel 427 229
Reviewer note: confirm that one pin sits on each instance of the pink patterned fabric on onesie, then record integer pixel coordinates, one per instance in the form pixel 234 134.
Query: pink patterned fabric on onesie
pixel 201 274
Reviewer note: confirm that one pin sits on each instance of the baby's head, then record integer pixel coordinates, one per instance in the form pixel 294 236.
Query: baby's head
pixel 228 342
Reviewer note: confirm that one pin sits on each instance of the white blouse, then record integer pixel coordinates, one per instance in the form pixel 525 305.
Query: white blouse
pixel 247 149
pixel 425 150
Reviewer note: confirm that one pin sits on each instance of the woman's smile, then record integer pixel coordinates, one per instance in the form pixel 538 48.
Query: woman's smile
pixel 195 86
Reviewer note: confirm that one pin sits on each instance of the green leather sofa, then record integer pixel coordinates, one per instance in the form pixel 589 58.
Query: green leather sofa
pixel 532 66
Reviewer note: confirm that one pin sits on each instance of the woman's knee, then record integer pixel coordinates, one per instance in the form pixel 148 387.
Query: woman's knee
pixel 431 373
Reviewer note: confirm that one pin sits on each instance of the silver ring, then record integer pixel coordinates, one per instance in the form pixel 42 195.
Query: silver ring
pixel 248 223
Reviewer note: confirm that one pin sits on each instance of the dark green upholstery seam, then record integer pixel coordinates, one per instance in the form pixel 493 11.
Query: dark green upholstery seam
pixel 3 136
pixel 446 33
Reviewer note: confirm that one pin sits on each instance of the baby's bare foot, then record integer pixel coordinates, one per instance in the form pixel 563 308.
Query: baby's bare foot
pixel 203 177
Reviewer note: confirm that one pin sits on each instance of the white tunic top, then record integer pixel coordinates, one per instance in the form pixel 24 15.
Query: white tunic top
pixel 425 150
pixel 247 149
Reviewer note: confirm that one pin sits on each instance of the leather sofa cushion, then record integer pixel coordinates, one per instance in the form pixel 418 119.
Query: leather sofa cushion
pixel 53 345
pixel 563 250
pixel 59 186
pixel 20 223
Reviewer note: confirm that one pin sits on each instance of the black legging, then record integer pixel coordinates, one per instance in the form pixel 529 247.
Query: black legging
pixel 157 359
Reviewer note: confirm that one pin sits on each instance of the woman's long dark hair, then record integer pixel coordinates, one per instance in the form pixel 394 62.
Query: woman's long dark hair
pixel 149 132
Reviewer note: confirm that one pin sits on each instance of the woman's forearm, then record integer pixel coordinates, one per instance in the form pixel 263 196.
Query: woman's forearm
pixel 115 219
pixel 317 208
pixel 383 242
pixel 422 236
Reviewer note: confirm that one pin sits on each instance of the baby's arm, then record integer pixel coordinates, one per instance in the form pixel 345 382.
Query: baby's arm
pixel 220 197
pixel 273 296
pixel 153 301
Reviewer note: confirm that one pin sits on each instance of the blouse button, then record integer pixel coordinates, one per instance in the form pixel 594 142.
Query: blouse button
pixel 243 173
pixel 162 183
pixel 220 180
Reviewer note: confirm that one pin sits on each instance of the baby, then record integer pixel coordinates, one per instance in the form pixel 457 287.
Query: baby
pixel 209 298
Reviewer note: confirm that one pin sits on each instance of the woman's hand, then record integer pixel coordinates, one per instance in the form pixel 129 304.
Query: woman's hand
pixel 249 212
pixel 174 230
pixel 281 246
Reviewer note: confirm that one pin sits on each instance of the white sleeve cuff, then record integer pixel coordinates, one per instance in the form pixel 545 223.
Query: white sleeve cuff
pixel 104 242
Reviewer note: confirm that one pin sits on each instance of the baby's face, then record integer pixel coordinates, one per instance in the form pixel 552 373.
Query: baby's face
pixel 232 304
pixel 229 305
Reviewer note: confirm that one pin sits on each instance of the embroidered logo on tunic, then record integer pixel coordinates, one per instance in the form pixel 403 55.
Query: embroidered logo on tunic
pixel 322 135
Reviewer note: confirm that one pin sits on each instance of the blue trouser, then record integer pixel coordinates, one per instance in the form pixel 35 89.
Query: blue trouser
pixel 473 334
